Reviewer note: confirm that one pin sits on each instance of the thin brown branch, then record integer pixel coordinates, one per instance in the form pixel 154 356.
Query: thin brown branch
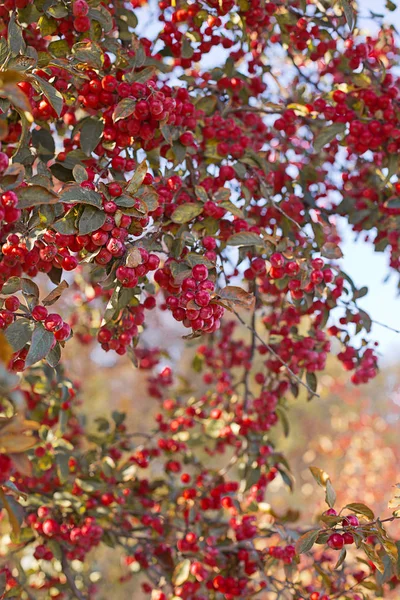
pixel 276 355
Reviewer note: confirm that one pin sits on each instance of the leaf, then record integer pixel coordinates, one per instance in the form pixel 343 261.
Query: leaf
pixel 327 135
pixel 341 559
pixel 17 97
pixel 320 476
pixel 80 174
pixel 143 75
pixel 181 572
pixel 34 195
pixel 124 109
pixel 232 208
pixel 311 380
pixel 19 333
pixel 6 351
pixel 186 212
pixel 245 238
pixel 55 294
pixel 14 522
pixel 54 356
pixel 282 416
pixel 137 178
pixel 11 286
pixel 306 541
pixel 125 201
pixel 41 343
pixel 91 132
pixel 207 103
pixel 330 494
pixel 88 53
pixel 15 38
pixel 16 442
pixel 102 16
pixel 91 220
pixel 361 509
pixel 371 554
pixel 66 225
pixel 331 250
pixel 348 13
pixel 393 203
pixel 77 194
pixel 133 257
pixel 54 97
pixel 236 297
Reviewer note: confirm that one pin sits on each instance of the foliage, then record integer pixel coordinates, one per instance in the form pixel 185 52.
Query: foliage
pixel 136 180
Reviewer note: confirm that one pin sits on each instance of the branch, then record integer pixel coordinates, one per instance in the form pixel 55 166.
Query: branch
pixel 70 577
pixel 272 351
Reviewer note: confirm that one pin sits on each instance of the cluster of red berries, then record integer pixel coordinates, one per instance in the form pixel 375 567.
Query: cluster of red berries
pixel 192 301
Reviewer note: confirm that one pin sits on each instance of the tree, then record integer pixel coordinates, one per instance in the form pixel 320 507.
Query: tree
pixel 193 161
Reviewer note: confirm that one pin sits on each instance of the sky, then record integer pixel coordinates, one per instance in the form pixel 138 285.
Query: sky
pixel 367 267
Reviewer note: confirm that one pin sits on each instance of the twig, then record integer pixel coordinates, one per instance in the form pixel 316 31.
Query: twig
pixel 272 351
pixel 252 350
pixel 70 577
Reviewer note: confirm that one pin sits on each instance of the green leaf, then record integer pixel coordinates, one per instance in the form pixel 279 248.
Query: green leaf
pixel 77 194
pixel 282 416
pixel 125 201
pixel 207 103
pixel 15 38
pixel 91 219
pixel 341 559
pixel 41 343
pixel 245 238
pixel 54 356
pixel 330 494
pixel 91 132
pixel 348 13
pixel 67 225
pixel 80 174
pixel 393 203
pixel 54 97
pixel 89 53
pixel 361 509
pixel 143 75
pixel 311 380
pixel 47 25
pixel 306 541
pixel 327 135
pixel 124 109
pixel 102 16
pixel 19 333
pixel 34 195
pixel 186 212
pixel 232 208
pixel 11 286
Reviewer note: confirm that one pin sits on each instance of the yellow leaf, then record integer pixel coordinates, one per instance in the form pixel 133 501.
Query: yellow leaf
pixel 16 443
pixel 6 351
pixel 11 516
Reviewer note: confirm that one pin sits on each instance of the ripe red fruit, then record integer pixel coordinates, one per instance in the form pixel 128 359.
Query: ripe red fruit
pixel 350 520
pixel 348 538
pixel 82 24
pixel 50 527
pixel 80 8
pixel 199 272
pixel 53 322
pixel 335 541
pixel 39 313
